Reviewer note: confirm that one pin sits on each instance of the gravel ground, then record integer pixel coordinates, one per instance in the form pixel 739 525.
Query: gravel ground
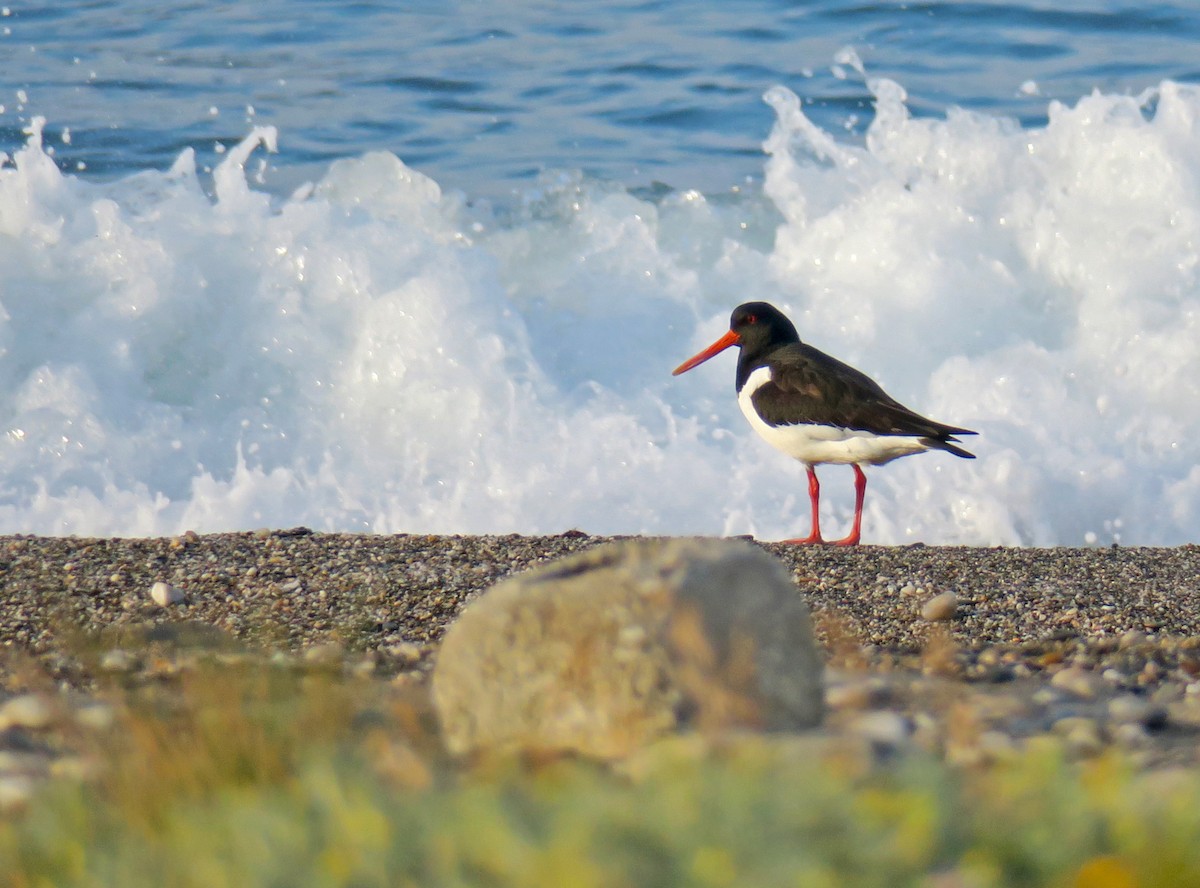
pixel 1097 646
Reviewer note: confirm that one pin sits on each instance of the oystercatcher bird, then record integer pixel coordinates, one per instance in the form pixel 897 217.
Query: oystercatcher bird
pixel 818 410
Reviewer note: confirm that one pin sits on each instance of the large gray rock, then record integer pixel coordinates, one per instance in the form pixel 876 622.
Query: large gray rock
pixel 603 651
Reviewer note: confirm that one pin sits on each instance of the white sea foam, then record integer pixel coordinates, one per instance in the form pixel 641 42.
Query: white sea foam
pixel 372 354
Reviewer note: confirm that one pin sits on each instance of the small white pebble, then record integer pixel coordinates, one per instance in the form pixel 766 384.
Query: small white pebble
pixel 881 727
pixel 97 716
pixel 1131 735
pixel 116 660
pixel 1078 682
pixel 940 608
pixel 165 594
pixel 1131 709
pixel 26 711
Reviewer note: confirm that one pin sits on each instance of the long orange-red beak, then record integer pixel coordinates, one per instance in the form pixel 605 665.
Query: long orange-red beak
pixel 716 348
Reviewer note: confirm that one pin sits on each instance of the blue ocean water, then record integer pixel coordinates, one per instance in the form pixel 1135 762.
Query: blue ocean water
pixel 427 266
pixel 484 97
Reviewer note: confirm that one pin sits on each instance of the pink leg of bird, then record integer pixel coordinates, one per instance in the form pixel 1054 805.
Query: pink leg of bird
pixel 860 491
pixel 814 496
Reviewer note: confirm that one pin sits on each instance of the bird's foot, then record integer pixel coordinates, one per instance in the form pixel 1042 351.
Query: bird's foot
pixel 813 539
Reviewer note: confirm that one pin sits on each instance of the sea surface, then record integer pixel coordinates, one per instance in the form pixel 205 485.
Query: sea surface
pixel 427 267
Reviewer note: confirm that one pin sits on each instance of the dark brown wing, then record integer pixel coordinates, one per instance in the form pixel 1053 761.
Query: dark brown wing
pixel 808 385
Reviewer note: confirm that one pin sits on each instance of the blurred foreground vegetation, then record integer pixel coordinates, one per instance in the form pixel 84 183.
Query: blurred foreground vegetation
pixel 267 776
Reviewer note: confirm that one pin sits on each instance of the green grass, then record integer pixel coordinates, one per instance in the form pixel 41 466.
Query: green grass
pixel 262 776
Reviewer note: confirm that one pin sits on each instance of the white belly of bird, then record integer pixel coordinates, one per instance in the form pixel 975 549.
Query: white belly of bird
pixel 815 444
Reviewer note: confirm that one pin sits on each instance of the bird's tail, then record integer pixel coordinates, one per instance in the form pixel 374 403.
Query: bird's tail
pixel 949 444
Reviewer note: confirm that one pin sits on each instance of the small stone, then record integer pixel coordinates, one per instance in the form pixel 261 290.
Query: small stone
pixel 165 594
pixel 117 660
pixel 1046 696
pixel 858 693
pixel 96 716
pixel 1168 692
pixel 886 731
pixel 1127 708
pixel 1078 682
pixel 927 732
pixel 1084 742
pixel 1131 736
pixel 973 750
pixel 30 711
pixel 1114 676
pixel 1081 735
pixel 990 657
pixel 405 651
pixel 1131 709
pixel 15 791
pixel 1132 638
pixel 324 654
pixel 940 608
pixel 997 674
pixel 364 668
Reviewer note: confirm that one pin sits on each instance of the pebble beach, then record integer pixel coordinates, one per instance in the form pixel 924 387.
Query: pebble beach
pixel 965 652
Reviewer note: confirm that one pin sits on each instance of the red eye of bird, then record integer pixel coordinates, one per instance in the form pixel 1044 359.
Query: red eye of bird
pixel 751 319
